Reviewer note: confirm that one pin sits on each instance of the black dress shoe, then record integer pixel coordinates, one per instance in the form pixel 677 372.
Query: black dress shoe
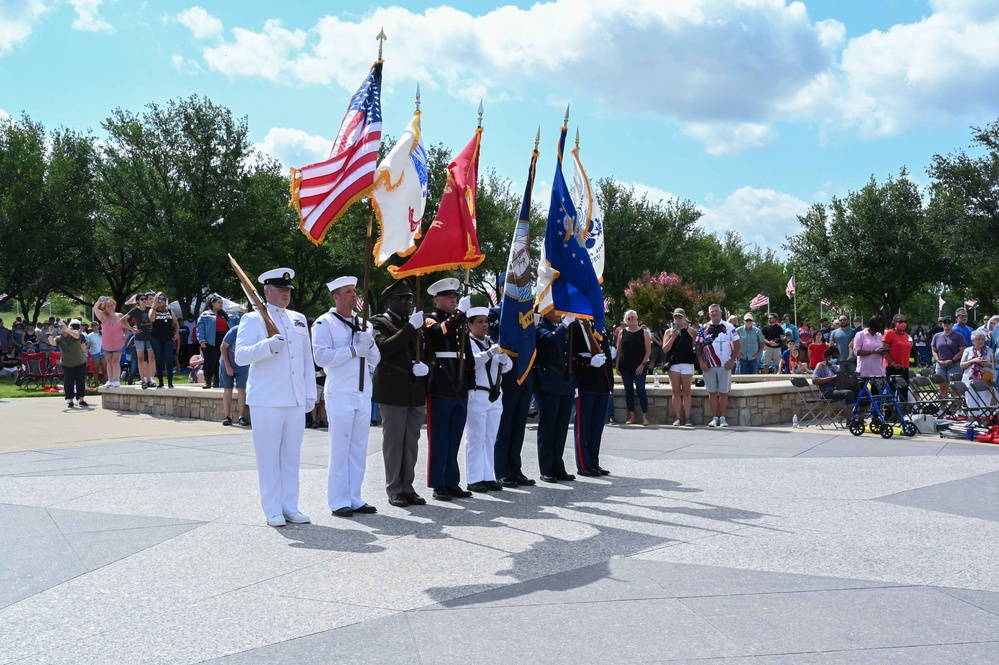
pixel 398 500
pixel 509 482
pixel 346 511
pixel 478 487
pixel 549 479
pixel 415 499
pixel 524 480
pixel 442 494
pixel 603 471
pixel 589 472
pixel 494 486
pixel 457 492
pixel 366 509
pixel 566 476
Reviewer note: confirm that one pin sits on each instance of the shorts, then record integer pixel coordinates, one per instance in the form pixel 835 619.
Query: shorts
pixel 717 380
pixel 97 357
pixel 686 369
pixel 239 379
pixel 141 345
pixel 320 393
pixel 951 372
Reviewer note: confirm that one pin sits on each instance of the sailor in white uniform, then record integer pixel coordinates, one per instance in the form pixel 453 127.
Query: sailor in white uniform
pixel 484 404
pixel 342 349
pixel 280 389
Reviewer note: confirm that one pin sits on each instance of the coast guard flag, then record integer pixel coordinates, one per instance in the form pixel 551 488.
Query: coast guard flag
pixel 400 194
pixel 516 327
pixel 566 281
pixel 323 191
pixel 590 226
pixel 452 240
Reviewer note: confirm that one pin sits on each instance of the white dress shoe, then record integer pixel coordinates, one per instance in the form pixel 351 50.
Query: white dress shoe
pixel 276 520
pixel 297 518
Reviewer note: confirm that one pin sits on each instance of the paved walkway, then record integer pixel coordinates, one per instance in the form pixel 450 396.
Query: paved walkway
pixel 732 547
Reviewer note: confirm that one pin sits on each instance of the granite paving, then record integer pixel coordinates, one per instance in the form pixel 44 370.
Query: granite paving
pixel 739 546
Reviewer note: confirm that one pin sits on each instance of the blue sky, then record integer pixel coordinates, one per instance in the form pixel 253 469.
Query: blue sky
pixel 752 109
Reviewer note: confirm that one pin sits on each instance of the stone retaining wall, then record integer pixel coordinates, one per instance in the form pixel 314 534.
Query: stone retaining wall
pixel 180 402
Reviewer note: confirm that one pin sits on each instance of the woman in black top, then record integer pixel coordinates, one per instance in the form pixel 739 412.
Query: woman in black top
pixel 634 346
pixel 166 329
pixel 678 343
pixel 139 320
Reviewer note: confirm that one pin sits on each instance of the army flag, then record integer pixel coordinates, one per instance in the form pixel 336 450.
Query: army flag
pixel 323 191
pixel 452 240
pixel 590 216
pixel 400 194
pixel 516 326
pixel 566 280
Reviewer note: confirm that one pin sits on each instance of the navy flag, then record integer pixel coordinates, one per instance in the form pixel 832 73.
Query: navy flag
pixel 516 326
pixel 567 282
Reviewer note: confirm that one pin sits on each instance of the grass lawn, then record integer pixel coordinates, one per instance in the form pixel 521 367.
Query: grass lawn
pixel 8 390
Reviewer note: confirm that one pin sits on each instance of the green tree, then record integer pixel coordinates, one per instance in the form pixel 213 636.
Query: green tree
pixel 876 247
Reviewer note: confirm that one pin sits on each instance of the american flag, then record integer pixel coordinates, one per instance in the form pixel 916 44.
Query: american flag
pixel 971 303
pixel 322 192
pixel 825 303
pixel 759 301
pixel 790 287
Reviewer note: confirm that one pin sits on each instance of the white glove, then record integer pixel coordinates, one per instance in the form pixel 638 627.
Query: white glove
pixel 276 343
pixel 493 351
pixel 365 339
pixel 416 320
pixel 465 303
pixel 567 320
pixel 309 405
pixel 505 361
pixel 598 360
pixel 420 369
pixel 537 318
pixel 613 353
pixel 360 350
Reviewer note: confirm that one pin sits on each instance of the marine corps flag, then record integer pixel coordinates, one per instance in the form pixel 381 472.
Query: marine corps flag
pixel 451 241
pixel 400 194
pixel 566 280
pixel 516 326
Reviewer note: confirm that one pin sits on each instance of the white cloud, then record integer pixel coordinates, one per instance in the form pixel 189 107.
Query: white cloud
pixel 17 20
pixel 294 147
pixel 4 115
pixel 87 18
pixel 762 216
pixel 268 54
pixel 201 24
pixel 187 66
pixel 652 193
pixel 730 138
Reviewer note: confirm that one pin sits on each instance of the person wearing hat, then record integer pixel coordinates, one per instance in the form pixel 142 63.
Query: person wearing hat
pixel 556 387
pixel 484 405
pixel 717 349
pixel 751 339
pixel 591 364
pixel 345 349
pixel 447 392
pixel 678 345
pixel 280 390
pixel 400 388
pixel 73 345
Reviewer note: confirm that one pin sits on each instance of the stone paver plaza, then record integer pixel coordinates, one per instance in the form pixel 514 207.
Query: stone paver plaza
pixel 134 539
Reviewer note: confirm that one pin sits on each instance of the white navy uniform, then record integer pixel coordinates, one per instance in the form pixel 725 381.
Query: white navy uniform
pixel 483 415
pixel 280 388
pixel 348 408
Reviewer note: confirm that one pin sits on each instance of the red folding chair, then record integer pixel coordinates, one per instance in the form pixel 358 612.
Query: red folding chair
pixel 55 367
pixel 36 370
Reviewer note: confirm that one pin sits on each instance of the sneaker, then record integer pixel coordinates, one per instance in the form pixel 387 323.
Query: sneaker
pixel 144 385
pixel 276 520
pixel 243 422
pixel 722 422
pixel 227 422
pixel 713 423
pixel 83 403
pixel 109 384
pixel 69 404
pixel 678 422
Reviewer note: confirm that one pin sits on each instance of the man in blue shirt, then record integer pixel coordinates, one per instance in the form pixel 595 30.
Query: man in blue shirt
pixel 961 324
pixel 842 336
pixel 232 375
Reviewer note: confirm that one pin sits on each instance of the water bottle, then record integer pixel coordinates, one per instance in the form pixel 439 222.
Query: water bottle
pixel 655 380
pixel 794 421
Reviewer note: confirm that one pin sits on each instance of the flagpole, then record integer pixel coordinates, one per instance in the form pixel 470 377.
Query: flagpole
pixel 363 366
pixel 419 303
pixel 468 271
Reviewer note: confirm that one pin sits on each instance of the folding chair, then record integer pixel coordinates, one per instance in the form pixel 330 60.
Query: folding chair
pixel 36 370
pixel 55 367
pixel 979 400
pixel 816 408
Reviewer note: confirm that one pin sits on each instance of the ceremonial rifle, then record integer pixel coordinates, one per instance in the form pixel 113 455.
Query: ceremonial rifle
pixel 253 297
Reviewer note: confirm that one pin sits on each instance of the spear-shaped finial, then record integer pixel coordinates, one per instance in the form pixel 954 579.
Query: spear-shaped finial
pixel 537 139
pixel 480 113
pixel 381 40
pixel 417 95
pixel 566 121
pixel 577 137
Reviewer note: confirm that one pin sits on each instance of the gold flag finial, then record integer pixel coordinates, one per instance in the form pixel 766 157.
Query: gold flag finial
pixel 480 113
pixel 417 95
pixel 566 121
pixel 537 139
pixel 381 40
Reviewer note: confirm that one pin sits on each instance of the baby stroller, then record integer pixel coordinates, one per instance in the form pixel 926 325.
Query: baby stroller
pixel 127 373
pixel 885 412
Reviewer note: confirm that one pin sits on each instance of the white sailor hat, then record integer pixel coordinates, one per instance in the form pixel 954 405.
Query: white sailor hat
pixel 444 287
pixel 279 277
pixel 341 282
pixel 476 311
